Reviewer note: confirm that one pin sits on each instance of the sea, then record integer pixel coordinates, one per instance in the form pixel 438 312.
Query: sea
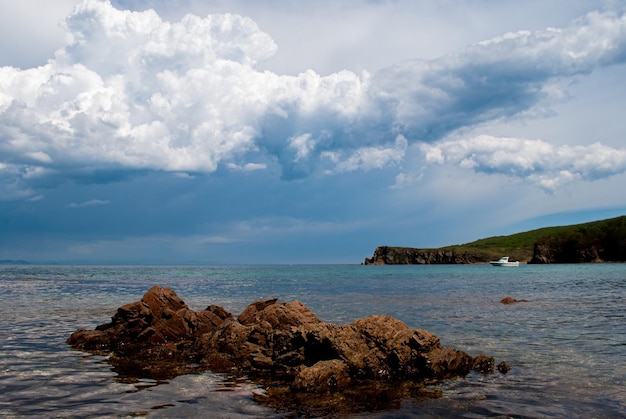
pixel 566 345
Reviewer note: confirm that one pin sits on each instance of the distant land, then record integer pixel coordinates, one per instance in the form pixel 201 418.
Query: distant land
pixel 13 262
pixel 593 242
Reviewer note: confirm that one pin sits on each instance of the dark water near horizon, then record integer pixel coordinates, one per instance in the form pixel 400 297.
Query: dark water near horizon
pixel 567 345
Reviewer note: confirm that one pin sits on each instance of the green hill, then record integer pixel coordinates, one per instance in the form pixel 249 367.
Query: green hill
pixel 608 236
pixel 597 241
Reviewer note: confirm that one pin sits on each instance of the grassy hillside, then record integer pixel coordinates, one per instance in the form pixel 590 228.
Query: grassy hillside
pixel 520 246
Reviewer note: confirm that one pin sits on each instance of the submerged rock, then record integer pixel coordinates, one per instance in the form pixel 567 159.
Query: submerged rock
pixel 512 300
pixel 283 345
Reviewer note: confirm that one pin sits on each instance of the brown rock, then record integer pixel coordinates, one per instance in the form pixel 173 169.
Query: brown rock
pixel 446 362
pixel 503 367
pixel 483 364
pixel 161 317
pixel 511 300
pixel 271 341
pixel 248 316
pixel 323 377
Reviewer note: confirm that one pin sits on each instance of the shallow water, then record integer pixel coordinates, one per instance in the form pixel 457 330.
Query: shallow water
pixel 567 345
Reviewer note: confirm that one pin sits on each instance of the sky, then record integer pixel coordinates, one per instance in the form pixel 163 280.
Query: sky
pixel 291 131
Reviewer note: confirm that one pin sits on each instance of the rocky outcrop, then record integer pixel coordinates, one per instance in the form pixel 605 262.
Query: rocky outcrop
pixel 511 300
pixel 277 342
pixel 566 251
pixel 386 255
pixel 593 242
pixel 601 241
pixel 151 337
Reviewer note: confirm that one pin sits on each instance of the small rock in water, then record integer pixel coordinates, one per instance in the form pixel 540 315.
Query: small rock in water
pixel 511 300
pixel 503 367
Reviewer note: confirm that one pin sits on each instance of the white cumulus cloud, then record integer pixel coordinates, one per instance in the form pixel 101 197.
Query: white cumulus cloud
pixel 497 78
pixel 131 91
pixel 369 158
pixel 537 161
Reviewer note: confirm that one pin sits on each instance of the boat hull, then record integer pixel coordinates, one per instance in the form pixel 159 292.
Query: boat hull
pixel 504 263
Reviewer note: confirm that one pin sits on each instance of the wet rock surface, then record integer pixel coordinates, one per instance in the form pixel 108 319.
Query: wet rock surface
pixel 511 300
pixel 283 346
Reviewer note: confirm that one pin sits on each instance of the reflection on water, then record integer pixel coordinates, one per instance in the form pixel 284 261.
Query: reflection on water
pixel 567 345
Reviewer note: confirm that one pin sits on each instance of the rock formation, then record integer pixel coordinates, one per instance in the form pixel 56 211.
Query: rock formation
pixel 151 337
pixel 597 242
pixel 281 343
pixel 386 255
pixel 593 242
pixel 511 300
pixel 563 251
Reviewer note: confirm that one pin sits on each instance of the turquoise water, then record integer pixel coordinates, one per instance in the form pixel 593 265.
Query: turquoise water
pixel 567 345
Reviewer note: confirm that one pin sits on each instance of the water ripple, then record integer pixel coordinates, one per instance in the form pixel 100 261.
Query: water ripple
pixel 567 345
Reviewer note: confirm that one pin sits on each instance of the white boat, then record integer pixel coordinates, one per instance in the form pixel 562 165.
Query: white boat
pixel 504 261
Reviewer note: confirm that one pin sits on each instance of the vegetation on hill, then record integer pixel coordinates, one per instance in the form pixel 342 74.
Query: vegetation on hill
pixel 609 236
pixel 596 241
pixel 601 241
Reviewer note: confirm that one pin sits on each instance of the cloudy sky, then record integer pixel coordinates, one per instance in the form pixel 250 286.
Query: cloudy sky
pixel 291 131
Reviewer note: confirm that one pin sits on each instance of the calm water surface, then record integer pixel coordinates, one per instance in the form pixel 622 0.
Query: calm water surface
pixel 567 345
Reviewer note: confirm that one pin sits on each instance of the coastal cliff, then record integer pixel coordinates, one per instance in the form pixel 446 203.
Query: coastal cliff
pixel 589 243
pixel 386 255
pixel 594 242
